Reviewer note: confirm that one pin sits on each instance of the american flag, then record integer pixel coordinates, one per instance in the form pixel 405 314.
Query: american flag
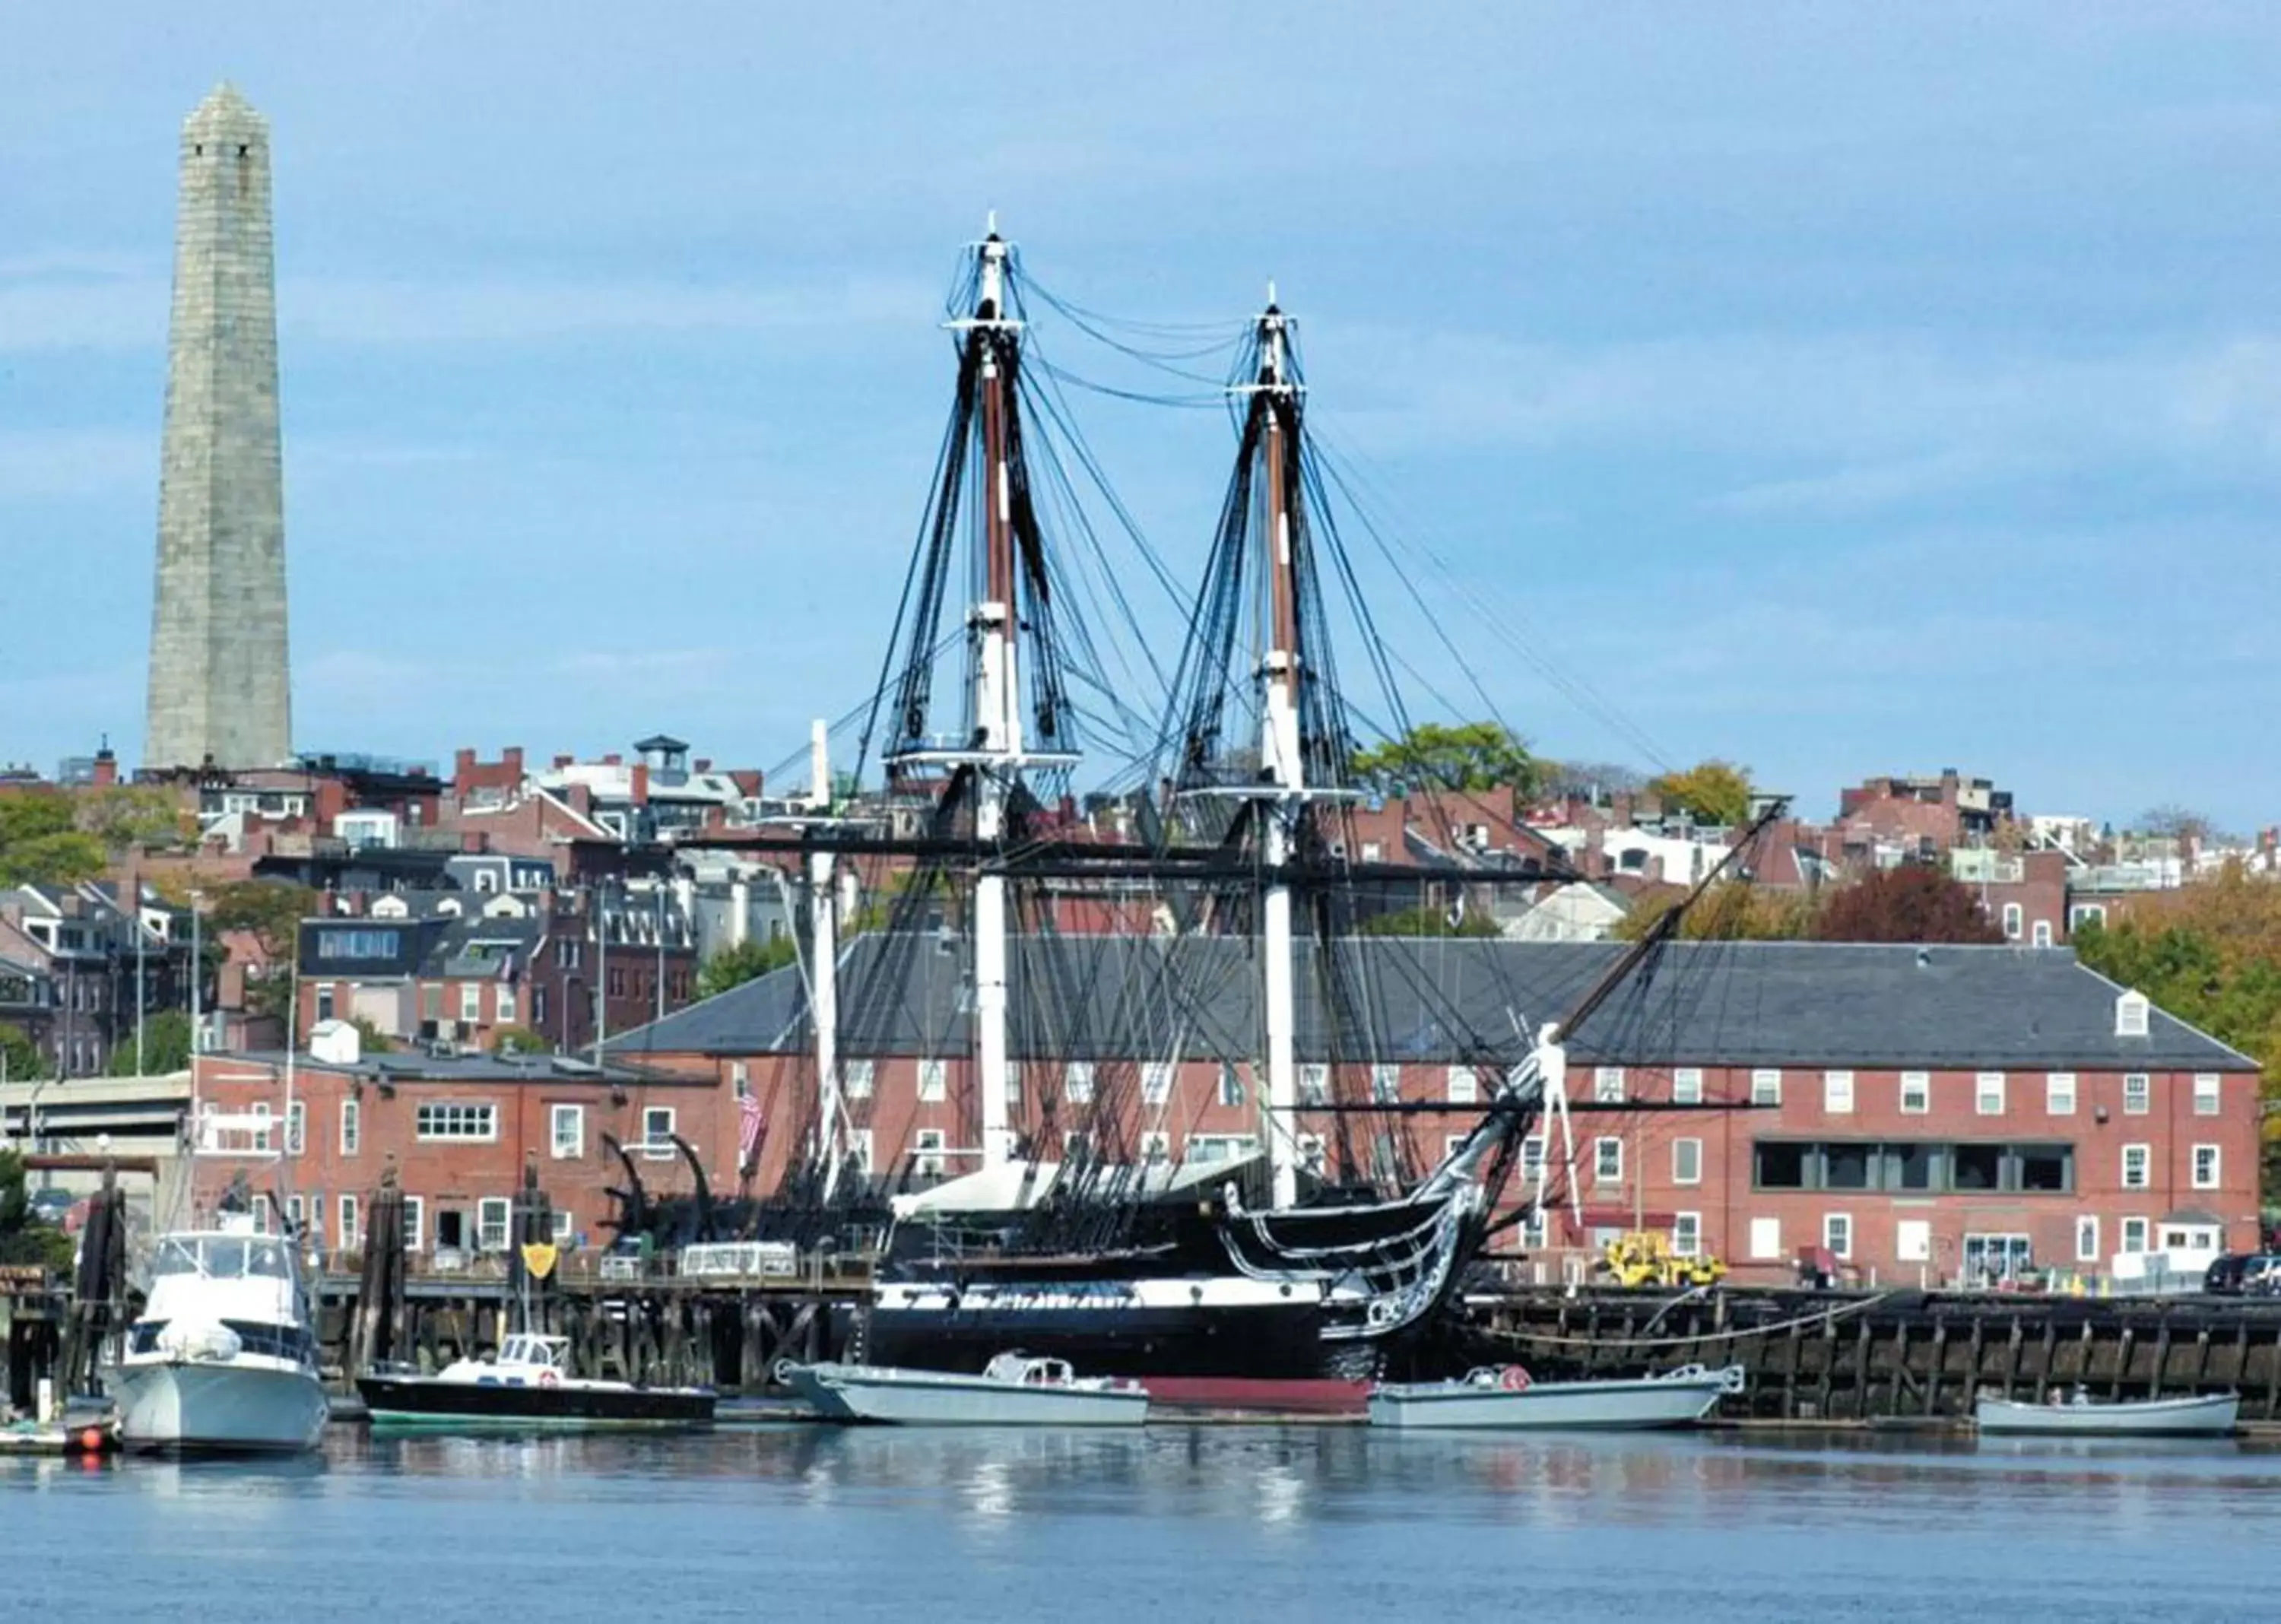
pixel 752 1129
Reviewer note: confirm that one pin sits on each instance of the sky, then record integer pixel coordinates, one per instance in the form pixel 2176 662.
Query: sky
pixel 1835 390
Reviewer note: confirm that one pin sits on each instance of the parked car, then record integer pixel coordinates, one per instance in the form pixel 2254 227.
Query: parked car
pixel 2240 1273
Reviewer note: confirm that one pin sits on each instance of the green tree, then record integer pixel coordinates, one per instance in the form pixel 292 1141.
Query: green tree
pixel 38 844
pixel 1428 920
pixel 20 1057
pixel 166 1045
pixel 1712 792
pixel 733 966
pixel 24 1239
pixel 271 912
pixel 517 1041
pixel 148 816
pixel 372 1040
pixel 1470 755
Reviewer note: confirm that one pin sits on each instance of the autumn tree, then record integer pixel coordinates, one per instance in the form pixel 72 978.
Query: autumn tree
pixel 1470 755
pixel 39 843
pixel 271 912
pixel 1909 904
pixel 1731 912
pixel 1712 792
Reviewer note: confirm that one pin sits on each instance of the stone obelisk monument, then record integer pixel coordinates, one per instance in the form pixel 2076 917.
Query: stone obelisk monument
pixel 219 688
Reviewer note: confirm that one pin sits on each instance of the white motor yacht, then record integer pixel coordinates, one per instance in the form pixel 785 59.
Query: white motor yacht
pixel 222 1358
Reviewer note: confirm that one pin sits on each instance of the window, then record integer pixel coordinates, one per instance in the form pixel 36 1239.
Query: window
pixel 1532 1158
pixel 1533 1232
pixel 934 1079
pixel 567 1132
pixel 1452 1143
pixel 858 1076
pixel 617 979
pixel 1077 1082
pixel 1779 1166
pixel 1766 1238
pixel 1230 1086
pixel 563 1233
pixel 657 1133
pixel 1765 1088
pixel 261 1134
pixel 1607 1084
pixel 1848 1167
pixel 2205 1167
pixel 2138 1093
pixel 1975 1167
pixel 2206 1093
pixel 471 1001
pixel 491 1223
pixel 348 1234
pixel 568 952
pixel 415 1212
pixel 294 1213
pixel 324 1003
pixel 1464 1087
pixel 2086 1238
pixel 2137 1165
pixel 456 1119
pixel 740 1079
pixel 1988 1094
pixel 2131 1015
pixel 340 943
pixel 1012 1086
pixel 1687 1085
pixel 2059 1093
pixel 1203 1148
pixel 1837 1093
pixel 1916 1093
pixel 1385 1084
pixel 2134 1235
pixel 928 1161
pixel 1155 1083
pixel 1315 1084
pixel 503 1004
pixel 1687 1161
pixel 2040 934
pixel 859 1149
pixel 2014 922
pixel 297 1127
pixel 1156 1147
pixel 1837 1234
pixel 538 1006
pixel 1686 1233
pixel 1607 1161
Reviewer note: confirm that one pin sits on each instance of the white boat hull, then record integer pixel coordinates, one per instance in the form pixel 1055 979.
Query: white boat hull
pixel 2213 1416
pixel 935 1398
pixel 1569 1406
pixel 164 1404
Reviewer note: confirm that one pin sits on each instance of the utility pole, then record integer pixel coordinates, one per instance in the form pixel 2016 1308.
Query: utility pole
pixel 601 893
pixel 198 979
pixel 660 950
pixel 141 1001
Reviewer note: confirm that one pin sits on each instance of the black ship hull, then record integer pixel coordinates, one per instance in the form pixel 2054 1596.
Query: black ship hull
pixel 1267 1342
pixel 427 1401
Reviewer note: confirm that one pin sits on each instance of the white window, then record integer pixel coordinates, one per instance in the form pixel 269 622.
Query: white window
pixel 1765 1086
pixel 1837 1234
pixel 1077 1082
pixel 2080 914
pixel 297 1127
pixel 1533 1232
pixel 1607 1161
pixel 261 1134
pixel 2015 919
pixel 1687 1085
pixel 1913 1240
pixel 2134 1235
pixel 2086 1238
pixel 2206 1093
pixel 2138 1093
pixel 1687 1161
pixel 857 1077
pixel 1157 1147
pixel 490 1224
pixel 1155 1083
pixel 1686 1233
pixel 1201 1147
pixel 415 1232
pixel 2137 1163
pixel 1385 1084
pixel 1608 1085
pixel 503 1002
pixel 928 1143
pixel 740 1078
pixel 1916 1093
pixel 1013 1084
pixel 1464 1087
pixel 1231 1085
pixel 859 1149
pixel 1837 1093
pixel 2205 1167
pixel 1315 1084
pixel 2059 1093
pixel 2040 934
pixel 1766 1238
pixel 934 1079
pixel 565 1230
pixel 346 1239
pixel 567 1132
pixel 2130 1013
pixel 657 1133
pixel 294 1212
pixel 471 1001
pixel 456 1119
pixel 1532 1158
pixel 1988 1094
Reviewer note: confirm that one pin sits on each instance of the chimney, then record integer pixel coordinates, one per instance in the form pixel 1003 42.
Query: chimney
pixel 463 769
pixel 641 783
pixel 106 767
pixel 511 758
pixel 560 761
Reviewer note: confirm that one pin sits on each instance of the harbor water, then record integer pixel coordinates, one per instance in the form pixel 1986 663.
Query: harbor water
pixel 1166 1522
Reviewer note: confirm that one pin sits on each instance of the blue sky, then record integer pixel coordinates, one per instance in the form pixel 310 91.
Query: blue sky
pixel 1838 391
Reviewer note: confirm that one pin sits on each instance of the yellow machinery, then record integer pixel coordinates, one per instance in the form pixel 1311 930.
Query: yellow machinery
pixel 1644 1257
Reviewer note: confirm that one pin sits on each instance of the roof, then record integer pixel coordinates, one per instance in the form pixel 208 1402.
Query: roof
pixel 418 1066
pixel 1462 1000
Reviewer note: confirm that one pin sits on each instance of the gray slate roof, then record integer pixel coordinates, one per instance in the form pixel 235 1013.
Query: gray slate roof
pixel 1459 1001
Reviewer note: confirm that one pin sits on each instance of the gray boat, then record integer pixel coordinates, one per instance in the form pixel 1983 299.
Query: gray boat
pixel 1502 1398
pixel 1014 1390
pixel 2080 1416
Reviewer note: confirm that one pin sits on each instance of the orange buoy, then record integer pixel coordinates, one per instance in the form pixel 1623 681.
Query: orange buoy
pixel 91 1440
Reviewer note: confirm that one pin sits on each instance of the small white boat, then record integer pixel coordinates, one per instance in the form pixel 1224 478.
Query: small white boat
pixel 2079 1416
pixel 528 1384
pixel 1014 1390
pixel 1502 1397
pixel 222 1358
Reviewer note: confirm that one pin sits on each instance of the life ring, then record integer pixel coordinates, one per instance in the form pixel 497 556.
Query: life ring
pixel 1513 1379
pixel 549 1379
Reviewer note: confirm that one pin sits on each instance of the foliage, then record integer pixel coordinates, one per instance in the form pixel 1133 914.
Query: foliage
pixel 25 1062
pixel 1711 791
pixel 1909 904
pixel 1471 755
pixel 166 1045
pixel 271 912
pixel 517 1041
pixel 1731 912
pixel 24 1239
pixel 1585 778
pixel 38 844
pixel 1428 920
pixel 148 816
pixel 372 1040
pixel 733 966
pixel 2173 821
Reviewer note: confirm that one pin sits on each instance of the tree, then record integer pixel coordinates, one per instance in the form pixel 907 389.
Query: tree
pixel 134 814
pixel 1592 777
pixel 166 1045
pixel 24 1239
pixel 1728 912
pixel 1909 904
pixel 1428 920
pixel 733 966
pixel 1471 755
pixel 271 912
pixel 1711 791
pixel 517 1041
pixel 20 1060
pixel 38 844
pixel 372 1040
pixel 2173 821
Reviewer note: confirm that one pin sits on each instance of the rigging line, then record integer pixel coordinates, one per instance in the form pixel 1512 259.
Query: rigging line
pixel 1222 331
pixel 1197 402
pixel 1056 410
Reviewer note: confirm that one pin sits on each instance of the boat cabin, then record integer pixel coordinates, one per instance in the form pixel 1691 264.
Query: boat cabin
pixel 221 1257
pixel 533 1352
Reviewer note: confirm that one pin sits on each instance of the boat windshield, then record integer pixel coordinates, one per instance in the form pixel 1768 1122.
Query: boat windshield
pixel 553 1351
pixel 222 1257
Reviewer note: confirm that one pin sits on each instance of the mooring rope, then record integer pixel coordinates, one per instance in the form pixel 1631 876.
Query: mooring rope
pixel 1822 1317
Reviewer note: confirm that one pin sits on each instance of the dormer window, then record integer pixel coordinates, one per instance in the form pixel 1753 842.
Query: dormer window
pixel 2130 1009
